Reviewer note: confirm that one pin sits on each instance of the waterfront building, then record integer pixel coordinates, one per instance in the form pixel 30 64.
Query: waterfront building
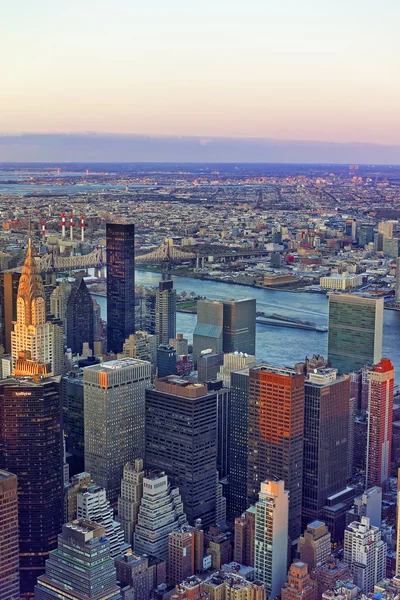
pixel 36 344
pixel 207 334
pixel 31 409
pixel 275 434
pixel 79 317
pixel 238 442
pixel 181 439
pixel 299 585
pixel 165 311
pixel 341 281
pixel 326 424
pixel 130 498
pixel 114 401
pixel 160 513
pixel 354 331
pixel 92 505
pixel 243 549
pixel 9 554
pixel 166 360
pixel 379 422
pixel 271 536
pixel 314 546
pixel 120 284
pixel 234 361
pixel 81 542
pixel 365 553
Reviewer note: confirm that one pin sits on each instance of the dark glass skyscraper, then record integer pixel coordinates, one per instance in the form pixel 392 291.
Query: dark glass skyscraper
pixel 239 419
pixel 9 555
pixel 31 447
pixel 79 317
pixel 120 284
pixel 165 311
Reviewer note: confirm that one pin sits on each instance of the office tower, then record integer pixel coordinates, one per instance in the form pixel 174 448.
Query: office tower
pixel 181 439
pixel 355 331
pixel 150 307
pixel 208 365
pixel 234 361
pixel 351 437
pixel 271 536
pixel 314 546
pixel 165 311
pixel 378 242
pixel 299 585
pixel 133 572
pixel 351 228
pixel 238 443
pixel 71 490
pixel 369 504
pixel 9 555
pixel 398 524
pixel 391 247
pixel 239 325
pixel 72 402
pixel 81 568
pixel 79 317
pixel 365 234
pixel 326 424
pixel 386 228
pixel 220 502
pixel 8 305
pixel 160 513
pixel 335 510
pixel 379 423
pixel 31 447
pixel 180 344
pixel 275 438
pixel 225 326
pixel 59 299
pixel 180 555
pixel 140 345
pixel 243 549
pixel 208 331
pixel 365 553
pixel 92 505
pixel 120 284
pixel 129 500
pixel 36 344
pixel 114 400
pixel 166 360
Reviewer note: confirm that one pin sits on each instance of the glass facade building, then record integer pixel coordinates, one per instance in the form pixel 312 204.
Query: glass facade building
pixel 354 331
pixel 80 319
pixel 165 311
pixel 120 241
pixel 238 450
pixel 9 555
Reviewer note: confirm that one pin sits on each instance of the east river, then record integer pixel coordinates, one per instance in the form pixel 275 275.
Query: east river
pixel 275 345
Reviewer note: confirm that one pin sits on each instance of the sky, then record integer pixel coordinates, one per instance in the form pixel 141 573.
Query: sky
pixel 322 70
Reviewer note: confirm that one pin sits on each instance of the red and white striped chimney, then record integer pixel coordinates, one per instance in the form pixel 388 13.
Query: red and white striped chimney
pixel 63 225
pixel 43 230
pixel 71 230
pixel 83 228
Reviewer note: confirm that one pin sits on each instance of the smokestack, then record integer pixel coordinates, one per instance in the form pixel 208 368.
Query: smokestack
pixel 71 230
pixel 63 225
pixel 83 228
pixel 43 230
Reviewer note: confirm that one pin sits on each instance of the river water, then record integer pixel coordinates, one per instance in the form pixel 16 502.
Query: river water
pixel 275 345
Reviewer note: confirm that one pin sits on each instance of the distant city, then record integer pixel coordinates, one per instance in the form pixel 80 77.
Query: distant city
pixel 199 393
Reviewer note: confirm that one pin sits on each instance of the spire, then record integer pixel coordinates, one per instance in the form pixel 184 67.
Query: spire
pixel 30 297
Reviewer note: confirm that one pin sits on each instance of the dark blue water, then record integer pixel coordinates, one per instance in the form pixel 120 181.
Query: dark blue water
pixel 276 345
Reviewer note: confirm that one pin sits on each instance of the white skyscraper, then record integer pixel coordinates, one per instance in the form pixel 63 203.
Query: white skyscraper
pixel 365 553
pixel 271 536
pixel 234 361
pixel 92 505
pixel 160 513
pixel 129 500
pixel 114 408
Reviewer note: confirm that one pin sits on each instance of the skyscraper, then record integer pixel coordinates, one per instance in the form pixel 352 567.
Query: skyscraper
pixel 365 553
pixel 271 536
pixel 114 400
pixel 120 284
pixel 9 555
pixel 326 422
pixel 379 423
pixel 59 299
pixel 166 360
pixel 160 513
pixel 355 331
pixel 79 317
pixel 73 411
pixel 314 546
pixel 36 344
pixel 238 447
pixel 181 554
pixel 129 500
pixel 8 306
pixel 245 527
pixel 31 447
pixel 165 311
pixel 398 524
pixel 81 568
pixel 207 334
pixel 275 438
pixel 181 439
